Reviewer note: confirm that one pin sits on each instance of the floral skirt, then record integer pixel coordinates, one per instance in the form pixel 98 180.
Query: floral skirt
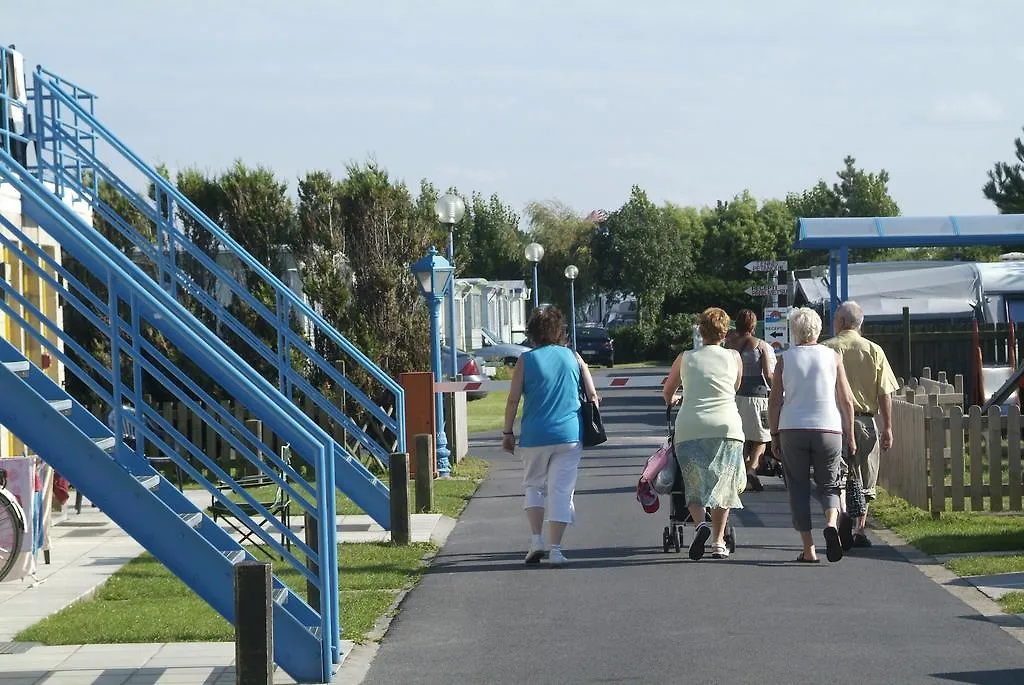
pixel 713 471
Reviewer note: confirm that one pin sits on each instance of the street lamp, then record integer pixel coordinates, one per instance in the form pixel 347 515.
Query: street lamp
pixel 535 253
pixel 450 209
pixel 571 272
pixel 434 276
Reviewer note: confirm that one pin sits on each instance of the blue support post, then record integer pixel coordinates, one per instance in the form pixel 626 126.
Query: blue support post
pixel 444 467
pixel 451 305
pixel 844 273
pixel 833 294
pixel 572 312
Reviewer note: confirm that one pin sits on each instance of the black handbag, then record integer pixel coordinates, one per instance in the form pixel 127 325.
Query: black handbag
pixel 593 427
pixel 856 504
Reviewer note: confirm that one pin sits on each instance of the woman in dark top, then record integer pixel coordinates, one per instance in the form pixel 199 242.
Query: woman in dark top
pixel 752 395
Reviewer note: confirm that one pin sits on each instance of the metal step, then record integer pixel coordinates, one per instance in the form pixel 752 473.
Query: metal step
pixel 106 444
pixel 63 406
pixel 19 368
pixel 193 519
pixel 234 555
pixel 150 481
pixel 280 595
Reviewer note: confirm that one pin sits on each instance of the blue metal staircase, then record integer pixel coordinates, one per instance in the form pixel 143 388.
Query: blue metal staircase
pixel 183 251
pixel 120 480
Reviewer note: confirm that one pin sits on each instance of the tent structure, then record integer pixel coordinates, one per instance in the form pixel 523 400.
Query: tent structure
pixel 839 235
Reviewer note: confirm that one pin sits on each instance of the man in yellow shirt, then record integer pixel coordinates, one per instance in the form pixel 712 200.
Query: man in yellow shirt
pixel 873 383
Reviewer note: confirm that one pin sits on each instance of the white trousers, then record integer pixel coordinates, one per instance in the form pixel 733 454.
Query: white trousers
pixel 549 478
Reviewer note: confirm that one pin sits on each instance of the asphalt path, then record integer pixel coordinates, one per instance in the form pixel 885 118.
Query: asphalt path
pixel 624 611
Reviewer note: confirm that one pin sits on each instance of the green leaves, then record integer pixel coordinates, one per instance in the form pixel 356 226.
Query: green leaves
pixel 1005 187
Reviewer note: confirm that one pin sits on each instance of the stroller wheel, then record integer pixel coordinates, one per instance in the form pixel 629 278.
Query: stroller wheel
pixel 666 539
pixel 730 539
pixel 677 537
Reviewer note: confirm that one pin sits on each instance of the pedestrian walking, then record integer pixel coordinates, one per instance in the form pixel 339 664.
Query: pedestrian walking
pixel 872 383
pixel 709 432
pixel 550 379
pixel 810 412
pixel 752 396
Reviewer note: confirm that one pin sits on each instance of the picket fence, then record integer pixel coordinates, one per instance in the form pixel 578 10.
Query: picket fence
pixel 185 421
pixel 944 460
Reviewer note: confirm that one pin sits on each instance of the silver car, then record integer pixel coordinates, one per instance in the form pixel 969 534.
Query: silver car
pixel 498 352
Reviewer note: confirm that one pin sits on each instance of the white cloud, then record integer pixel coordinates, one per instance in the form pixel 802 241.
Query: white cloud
pixel 973 108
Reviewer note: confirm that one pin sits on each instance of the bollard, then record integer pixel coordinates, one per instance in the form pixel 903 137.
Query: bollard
pixel 254 624
pixel 401 518
pixel 311 528
pixel 423 445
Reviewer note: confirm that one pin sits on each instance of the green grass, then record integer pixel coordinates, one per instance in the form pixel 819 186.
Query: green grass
pixel 144 602
pixel 954 532
pixel 488 413
pixel 1012 602
pixel 987 565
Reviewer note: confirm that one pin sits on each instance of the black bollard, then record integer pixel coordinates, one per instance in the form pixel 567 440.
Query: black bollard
pixel 401 518
pixel 423 446
pixel 254 624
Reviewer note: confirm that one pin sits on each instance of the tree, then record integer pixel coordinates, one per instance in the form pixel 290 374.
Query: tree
pixel 566 239
pixel 858 193
pixel 641 253
pixel 1005 187
pixel 488 242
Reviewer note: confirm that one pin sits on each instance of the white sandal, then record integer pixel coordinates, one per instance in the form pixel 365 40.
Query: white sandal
pixel 719 551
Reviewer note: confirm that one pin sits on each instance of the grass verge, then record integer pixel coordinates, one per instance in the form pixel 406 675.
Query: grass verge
pixel 488 413
pixel 1011 602
pixel 955 532
pixel 144 602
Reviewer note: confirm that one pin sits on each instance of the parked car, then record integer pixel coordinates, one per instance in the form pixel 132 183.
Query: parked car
pixel 471 368
pixel 595 345
pixel 499 352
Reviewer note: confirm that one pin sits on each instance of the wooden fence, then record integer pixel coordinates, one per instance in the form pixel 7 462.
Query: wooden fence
pixel 943 460
pixel 213 445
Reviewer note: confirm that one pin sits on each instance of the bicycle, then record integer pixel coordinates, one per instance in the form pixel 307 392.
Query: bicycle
pixel 12 527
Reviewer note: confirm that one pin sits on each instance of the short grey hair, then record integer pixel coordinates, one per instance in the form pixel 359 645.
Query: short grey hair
pixel 805 325
pixel 849 316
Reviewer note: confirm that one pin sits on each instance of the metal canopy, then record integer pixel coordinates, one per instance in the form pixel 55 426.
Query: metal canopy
pixel 909 231
pixel 838 235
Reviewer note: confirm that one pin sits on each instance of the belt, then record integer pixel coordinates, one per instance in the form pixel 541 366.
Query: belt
pixel 864 413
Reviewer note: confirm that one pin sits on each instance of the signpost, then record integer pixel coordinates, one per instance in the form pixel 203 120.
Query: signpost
pixel 767 265
pixel 776 327
pixel 765 290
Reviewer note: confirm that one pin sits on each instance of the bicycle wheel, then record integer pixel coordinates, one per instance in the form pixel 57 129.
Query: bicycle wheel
pixel 12 529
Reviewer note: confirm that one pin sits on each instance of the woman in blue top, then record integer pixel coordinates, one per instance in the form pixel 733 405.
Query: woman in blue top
pixel 548 378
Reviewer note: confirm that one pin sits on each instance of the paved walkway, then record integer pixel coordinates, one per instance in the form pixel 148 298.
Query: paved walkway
pixel 87 549
pixel 624 611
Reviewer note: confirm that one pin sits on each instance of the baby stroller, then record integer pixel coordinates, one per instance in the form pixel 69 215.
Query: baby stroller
pixel 678 513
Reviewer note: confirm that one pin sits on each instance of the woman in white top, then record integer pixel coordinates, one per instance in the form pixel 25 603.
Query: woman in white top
pixel 810 409
pixel 709 432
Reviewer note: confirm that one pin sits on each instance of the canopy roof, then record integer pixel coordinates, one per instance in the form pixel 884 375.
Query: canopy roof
pixel 907 231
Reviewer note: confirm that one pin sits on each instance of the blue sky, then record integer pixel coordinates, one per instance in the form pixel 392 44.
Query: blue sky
pixel 572 100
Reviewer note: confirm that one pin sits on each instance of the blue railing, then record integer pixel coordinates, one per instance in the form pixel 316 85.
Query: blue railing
pixel 129 310
pixel 67 135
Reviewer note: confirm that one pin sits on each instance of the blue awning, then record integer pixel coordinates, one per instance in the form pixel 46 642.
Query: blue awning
pixel 907 231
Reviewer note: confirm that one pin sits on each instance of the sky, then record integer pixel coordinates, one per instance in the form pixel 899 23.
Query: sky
pixel 573 100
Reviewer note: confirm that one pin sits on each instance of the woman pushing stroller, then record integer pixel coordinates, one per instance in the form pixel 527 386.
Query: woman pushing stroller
pixel 709 431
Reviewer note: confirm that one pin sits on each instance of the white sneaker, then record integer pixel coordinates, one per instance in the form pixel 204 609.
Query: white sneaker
pixel 535 554
pixel 719 551
pixel 556 558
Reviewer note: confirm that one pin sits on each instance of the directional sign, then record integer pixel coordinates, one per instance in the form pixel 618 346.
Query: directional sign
pixel 776 314
pixel 767 265
pixel 777 334
pixel 763 290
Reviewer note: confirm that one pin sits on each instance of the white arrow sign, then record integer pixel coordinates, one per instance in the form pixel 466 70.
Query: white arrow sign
pixel 764 290
pixel 765 265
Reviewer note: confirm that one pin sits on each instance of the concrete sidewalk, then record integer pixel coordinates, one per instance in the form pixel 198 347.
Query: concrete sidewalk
pixel 624 611
pixel 86 549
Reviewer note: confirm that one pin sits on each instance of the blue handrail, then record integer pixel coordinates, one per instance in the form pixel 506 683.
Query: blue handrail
pixel 170 236
pixel 125 282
